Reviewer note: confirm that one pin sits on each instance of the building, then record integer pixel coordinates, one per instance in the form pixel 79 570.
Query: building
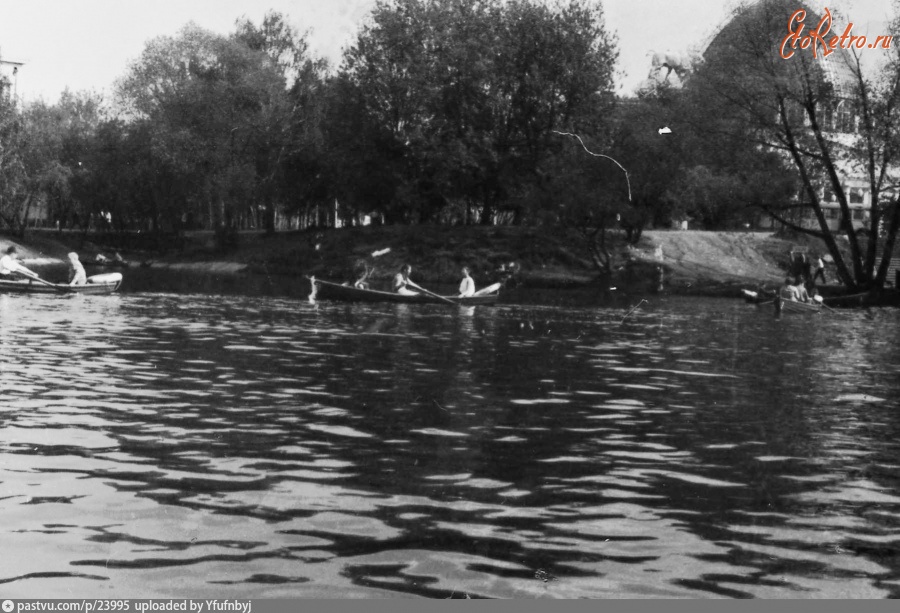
pixel 9 71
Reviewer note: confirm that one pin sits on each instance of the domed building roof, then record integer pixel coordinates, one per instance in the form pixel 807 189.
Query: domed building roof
pixel 760 29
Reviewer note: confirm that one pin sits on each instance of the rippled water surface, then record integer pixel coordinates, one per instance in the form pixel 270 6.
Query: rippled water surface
pixel 175 446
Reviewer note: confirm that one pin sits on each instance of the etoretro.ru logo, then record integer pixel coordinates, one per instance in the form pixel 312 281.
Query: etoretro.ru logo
pixel 818 39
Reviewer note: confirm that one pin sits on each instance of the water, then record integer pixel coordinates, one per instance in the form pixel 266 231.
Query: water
pixel 160 445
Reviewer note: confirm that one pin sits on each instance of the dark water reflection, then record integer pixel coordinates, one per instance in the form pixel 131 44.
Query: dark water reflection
pixel 163 445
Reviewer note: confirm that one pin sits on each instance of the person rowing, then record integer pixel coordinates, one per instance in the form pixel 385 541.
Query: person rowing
pixel 788 291
pixel 361 282
pixel 9 265
pixel 794 291
pixel 402 282
pixel 802 293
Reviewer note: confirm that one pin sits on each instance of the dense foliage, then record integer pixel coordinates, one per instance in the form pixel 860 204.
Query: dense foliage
pixel 462 99
pixel 442 111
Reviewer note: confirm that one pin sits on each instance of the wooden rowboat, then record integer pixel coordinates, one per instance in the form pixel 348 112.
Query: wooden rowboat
pixel 325 290
pixel 792 306
pixel 97 284
pixel 886 297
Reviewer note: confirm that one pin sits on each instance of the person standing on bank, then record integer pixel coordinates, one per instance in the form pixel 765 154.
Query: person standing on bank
pixel 467 285
pixel 77 276
pixel 807 272
pixel 820 271
pixel 9 265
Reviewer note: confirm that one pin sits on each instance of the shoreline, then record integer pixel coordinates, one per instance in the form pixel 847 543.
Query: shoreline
pixel 675 262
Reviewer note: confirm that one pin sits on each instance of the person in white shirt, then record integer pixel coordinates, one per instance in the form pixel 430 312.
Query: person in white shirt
pixel 820 270
pixel 9 265
pixel 402 282
pixel 77 276
pixel 788 291
pixel 467 285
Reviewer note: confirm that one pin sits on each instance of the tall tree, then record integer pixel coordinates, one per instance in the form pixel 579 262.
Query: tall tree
pixel 208 103
pixel 80 115
pixel 286 131
pixel 587 194
pixel 33 167
pixel 705 166
pixel 463 97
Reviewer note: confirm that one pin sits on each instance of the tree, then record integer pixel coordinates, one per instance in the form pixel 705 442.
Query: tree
pixel 654 161
pixel 217 118
pixel 287 130
pixel 716 172
pixel 556 75
pixel 10 158
pixel 463 98
pixel 823 113
pixel 31 166
pixel 363 162
pixel 81 115
pixel 586 194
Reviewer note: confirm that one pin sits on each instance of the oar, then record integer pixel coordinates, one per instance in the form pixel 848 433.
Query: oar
pixel 60 288
pixel 430 293
pixel 633 309
pixel 769 300
pixel 821 301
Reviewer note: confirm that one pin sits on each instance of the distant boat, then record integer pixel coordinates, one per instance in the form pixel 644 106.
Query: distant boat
pixel 96 284
pixel 327 290
pixel 793 306
pixel 886 297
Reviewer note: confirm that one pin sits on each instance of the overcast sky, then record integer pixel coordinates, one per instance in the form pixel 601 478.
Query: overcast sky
pixel 87 44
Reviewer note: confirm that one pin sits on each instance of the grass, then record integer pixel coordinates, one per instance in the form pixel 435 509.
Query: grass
pixel 436 253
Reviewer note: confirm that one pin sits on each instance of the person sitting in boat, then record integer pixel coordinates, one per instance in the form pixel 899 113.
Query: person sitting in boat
pixel 77 276
pixel 788 291
pixel 802 293
pixel 467 285
pixel 9 265
pixel 402 282
pixel 794 290
pixel 361 282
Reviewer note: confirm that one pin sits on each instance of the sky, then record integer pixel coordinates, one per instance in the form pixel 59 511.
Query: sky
pixel 88 44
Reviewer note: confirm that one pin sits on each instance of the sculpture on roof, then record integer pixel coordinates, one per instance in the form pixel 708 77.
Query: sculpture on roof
pixel 679 63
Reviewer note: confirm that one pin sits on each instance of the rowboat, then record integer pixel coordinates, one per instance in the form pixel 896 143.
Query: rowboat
pixel 96 284
pixel 792 306
pixel 861 299
pixel 325 290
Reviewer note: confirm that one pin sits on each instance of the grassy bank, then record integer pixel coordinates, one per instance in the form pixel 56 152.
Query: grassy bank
pixel 436 253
